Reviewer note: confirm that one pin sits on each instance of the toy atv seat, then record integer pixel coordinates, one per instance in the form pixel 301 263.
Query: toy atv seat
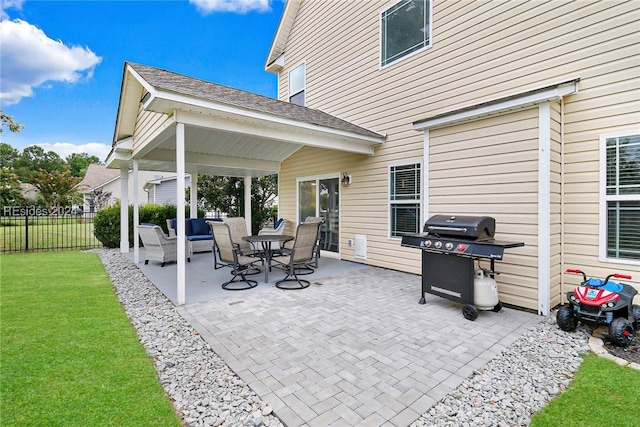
pixel 602 302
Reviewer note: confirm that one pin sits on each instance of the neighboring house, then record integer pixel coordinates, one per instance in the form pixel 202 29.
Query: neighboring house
pixel 161 189
pixel 98 177
pixel 524 111
pixel 29 192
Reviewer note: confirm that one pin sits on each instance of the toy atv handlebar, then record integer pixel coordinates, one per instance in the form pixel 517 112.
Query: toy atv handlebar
pixel 606 280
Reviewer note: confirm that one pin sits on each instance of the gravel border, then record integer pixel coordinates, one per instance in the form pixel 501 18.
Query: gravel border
pixel 206 392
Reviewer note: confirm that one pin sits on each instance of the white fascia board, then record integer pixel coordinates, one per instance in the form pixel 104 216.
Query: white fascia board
pixel 145 84
pixel 289 131
pixel 116 159
pixel 254 116
pixel 528 99
pixel 282 34
pixel 124 145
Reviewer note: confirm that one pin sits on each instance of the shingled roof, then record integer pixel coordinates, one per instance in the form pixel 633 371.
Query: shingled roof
pixel 177 83
pixel 95 176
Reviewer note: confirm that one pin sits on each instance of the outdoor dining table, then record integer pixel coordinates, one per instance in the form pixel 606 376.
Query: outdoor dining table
pixel 266 240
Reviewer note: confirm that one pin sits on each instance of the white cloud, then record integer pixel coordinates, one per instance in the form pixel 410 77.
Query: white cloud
pixel 9 4
pixel 64 149
pixel 30 59
pixel 238 6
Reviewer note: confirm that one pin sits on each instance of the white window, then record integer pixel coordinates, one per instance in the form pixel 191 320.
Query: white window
pixel 404 199
pixel 404 28
pixel 620 196
pixel 297 84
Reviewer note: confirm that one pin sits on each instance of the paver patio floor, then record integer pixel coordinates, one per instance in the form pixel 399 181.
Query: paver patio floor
pixel 354 349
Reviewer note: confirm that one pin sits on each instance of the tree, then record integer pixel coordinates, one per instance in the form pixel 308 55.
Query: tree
pixel 79 162
pixel 56 188
pixel 98 199
pixel 226 194
pixel 34 159
pixel 10 190
pixel 8 155
pixel 264 191
pixel 8 121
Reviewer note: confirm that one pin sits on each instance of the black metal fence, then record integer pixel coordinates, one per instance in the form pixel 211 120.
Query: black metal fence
pixel 24 233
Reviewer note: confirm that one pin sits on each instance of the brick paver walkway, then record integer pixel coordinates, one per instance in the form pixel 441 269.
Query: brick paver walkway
pixel 352 350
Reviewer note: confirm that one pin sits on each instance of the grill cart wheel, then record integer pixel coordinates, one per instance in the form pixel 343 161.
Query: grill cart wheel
pixel 635 311
pixel 470 312
pixel 566 319
pixel 621 332
pixel 497 307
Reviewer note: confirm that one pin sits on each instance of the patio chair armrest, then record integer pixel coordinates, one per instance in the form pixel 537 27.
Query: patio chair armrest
pixel 269 232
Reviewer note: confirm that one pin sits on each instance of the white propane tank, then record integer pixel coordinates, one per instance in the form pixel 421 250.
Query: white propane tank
pixel 485 294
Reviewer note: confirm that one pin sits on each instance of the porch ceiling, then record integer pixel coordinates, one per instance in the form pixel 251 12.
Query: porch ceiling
pixel 228 132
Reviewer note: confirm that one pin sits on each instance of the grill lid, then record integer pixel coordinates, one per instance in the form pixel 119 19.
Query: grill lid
pixel 471 227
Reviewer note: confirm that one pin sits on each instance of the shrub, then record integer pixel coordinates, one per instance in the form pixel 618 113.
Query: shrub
pixel 106 225
pixel 107 221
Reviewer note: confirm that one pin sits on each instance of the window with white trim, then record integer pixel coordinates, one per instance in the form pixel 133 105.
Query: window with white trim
pixel 622 196
pixel 404 199
pixel 405 28
pixel 297 85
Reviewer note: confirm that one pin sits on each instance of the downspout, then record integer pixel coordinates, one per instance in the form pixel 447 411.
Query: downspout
pixel 562 194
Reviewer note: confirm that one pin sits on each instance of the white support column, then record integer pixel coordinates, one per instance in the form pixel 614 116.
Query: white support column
pixel 124 210
pixel 136 214
pixel 194 196
pixel 247 202
pixel 180 217
pixel 544 208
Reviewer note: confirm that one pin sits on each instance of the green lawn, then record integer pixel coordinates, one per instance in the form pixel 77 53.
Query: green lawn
pixel 46 233
pixel 602 394
pixel 68 354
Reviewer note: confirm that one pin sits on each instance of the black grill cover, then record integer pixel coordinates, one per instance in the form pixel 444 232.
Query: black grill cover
pixel 470 227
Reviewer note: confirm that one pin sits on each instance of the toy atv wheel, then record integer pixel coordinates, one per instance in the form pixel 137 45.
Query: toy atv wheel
pixel 635 312
pixel 470 312
pixel 567 321
pixel 621 332
pixel 497 307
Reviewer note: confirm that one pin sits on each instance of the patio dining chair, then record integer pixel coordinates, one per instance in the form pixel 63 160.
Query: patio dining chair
pixel 158 246
pixel 231 255
pixel 298 257
pixel 238 229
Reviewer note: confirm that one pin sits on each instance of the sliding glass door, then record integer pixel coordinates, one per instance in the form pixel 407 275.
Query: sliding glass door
pixel 320 196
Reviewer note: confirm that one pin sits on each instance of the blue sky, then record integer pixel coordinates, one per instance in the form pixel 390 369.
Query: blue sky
pixel 61 62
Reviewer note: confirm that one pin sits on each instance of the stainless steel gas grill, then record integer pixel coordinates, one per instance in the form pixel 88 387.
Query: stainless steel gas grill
pixel 450 246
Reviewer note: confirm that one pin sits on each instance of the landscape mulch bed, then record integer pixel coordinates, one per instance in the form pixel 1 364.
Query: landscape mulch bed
pixel 631 353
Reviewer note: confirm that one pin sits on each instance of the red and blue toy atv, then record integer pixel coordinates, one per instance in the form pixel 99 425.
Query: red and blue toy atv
pixel 598 302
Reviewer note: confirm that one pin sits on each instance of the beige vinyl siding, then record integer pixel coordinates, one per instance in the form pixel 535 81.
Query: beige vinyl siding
pixel 482 50
pixel 148 124
pixel 491 51
pixel 364 205
pixel 490 167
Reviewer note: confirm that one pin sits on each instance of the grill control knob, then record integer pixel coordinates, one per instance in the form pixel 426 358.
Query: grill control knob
pixel 448 246
pixel 438 245
pixel 427 244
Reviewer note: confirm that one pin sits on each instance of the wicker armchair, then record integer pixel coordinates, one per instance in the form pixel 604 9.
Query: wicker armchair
pixel 231 256
pixel 159 247
pixel 298 257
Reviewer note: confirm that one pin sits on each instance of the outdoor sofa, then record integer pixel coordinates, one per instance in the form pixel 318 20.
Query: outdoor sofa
pixel 197 231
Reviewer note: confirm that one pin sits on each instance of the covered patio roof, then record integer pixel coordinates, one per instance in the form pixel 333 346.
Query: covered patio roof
pixel 227 132
pixel 169 122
